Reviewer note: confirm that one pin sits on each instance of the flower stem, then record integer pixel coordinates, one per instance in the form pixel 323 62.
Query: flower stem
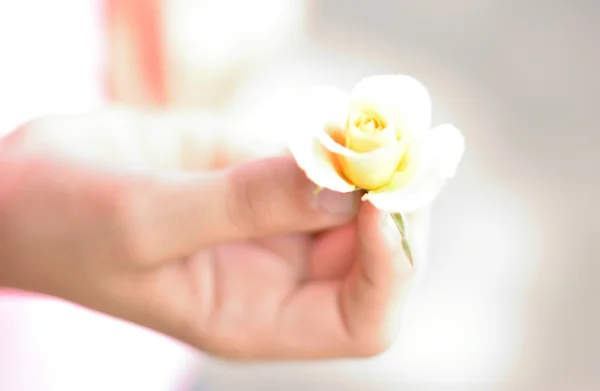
pixel 397 217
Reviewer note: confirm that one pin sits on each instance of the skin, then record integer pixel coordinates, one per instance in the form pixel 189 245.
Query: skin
pixel 240 259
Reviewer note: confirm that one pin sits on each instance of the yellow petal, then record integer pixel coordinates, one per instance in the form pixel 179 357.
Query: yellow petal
pixel 369 174
pixel 369 170
pixel 360 141
pixel 406 170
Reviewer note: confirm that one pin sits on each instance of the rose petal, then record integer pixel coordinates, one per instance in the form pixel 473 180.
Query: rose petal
pixel 443 147
pixel 372 170
pixel 369 170
pixel 419 192
pixel 323 107
pixel 399 99
pixel 360 141
pixel 316 162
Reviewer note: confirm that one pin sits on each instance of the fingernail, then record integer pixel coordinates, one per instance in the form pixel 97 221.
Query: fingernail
pixel 328 201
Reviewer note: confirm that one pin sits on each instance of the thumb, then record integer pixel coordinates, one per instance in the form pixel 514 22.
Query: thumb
pixel 375 291
pixel 258 199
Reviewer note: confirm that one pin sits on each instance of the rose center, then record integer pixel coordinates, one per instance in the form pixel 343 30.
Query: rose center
pixel 368 124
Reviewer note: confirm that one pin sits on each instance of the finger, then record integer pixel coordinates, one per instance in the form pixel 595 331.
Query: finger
pixel 374 291
pixel 262 198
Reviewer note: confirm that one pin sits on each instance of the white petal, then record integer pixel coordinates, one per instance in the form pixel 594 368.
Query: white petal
pixel 443 148
pixel 400 99
pixel 314 159
pixel 324 107
pixel 418 193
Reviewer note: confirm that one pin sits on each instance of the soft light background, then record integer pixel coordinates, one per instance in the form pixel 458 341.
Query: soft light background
pixel 509 299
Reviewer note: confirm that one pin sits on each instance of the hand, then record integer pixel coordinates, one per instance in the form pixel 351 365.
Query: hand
pixel 244 262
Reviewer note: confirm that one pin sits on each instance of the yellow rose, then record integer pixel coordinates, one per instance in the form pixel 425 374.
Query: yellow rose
pixel 379 139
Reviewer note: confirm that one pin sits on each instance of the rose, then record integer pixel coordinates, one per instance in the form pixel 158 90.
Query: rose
pixel 378 139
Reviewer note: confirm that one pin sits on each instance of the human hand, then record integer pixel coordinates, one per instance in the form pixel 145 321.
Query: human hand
pixel 245 262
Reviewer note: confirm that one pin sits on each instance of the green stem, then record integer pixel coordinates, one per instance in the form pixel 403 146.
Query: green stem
pixel 397 217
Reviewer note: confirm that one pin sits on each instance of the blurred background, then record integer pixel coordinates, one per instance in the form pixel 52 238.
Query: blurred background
pixel 508 300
